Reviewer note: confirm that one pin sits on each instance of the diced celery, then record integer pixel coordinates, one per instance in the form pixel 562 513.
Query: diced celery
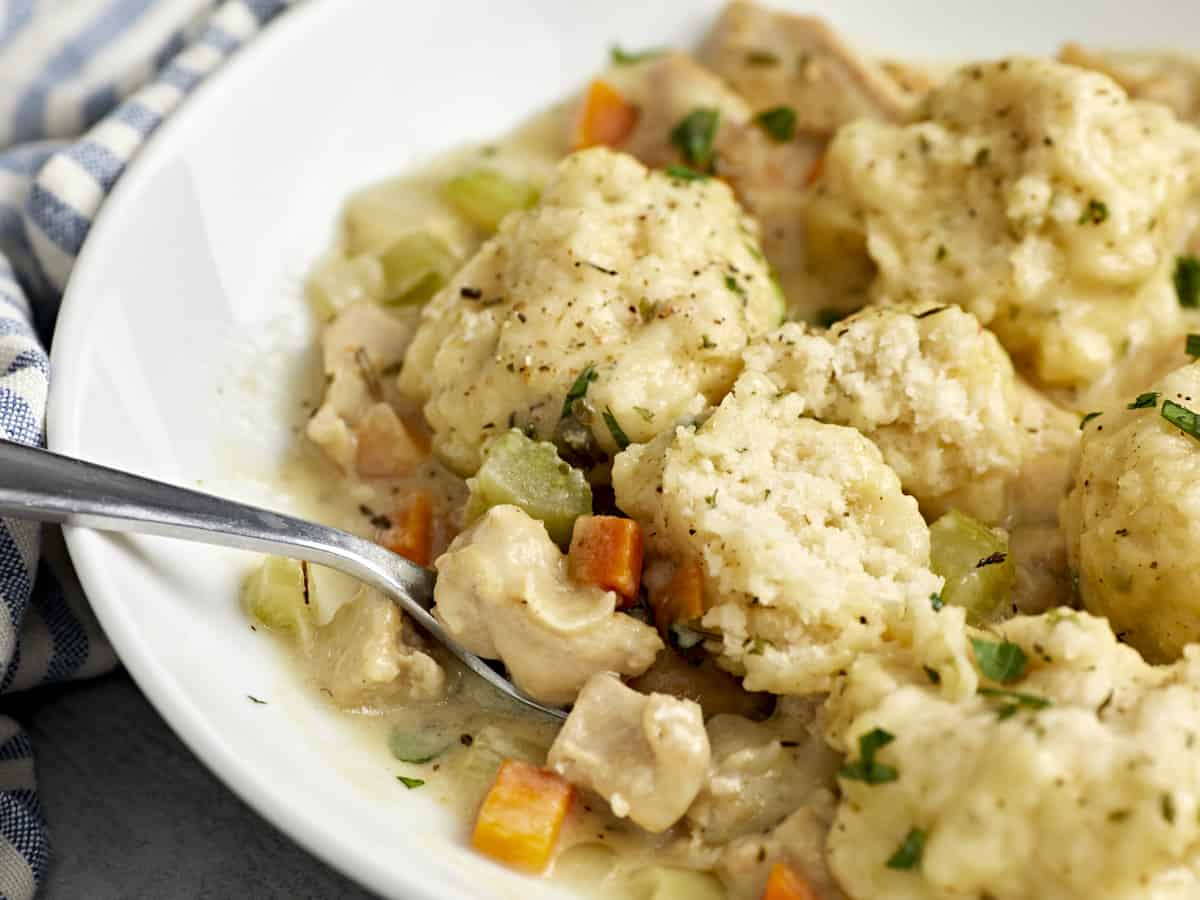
pixel 277 595
pixel 974 561
pixel 484 196
pixel 419 746
pixel 337 282
pixel 520 471
pixel 668 883
pixel 489 748
pixel 586 865
pixel 415 267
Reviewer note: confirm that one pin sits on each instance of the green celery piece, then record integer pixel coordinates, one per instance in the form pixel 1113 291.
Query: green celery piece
pixel 520 471
pixel 973 559
pixel 484 196
pixel 277 596
pixel 415 267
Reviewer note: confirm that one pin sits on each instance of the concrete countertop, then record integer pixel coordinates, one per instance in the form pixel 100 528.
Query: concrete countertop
pixel 135 816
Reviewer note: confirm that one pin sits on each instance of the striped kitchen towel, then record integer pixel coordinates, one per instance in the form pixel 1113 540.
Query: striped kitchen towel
pixel 82 85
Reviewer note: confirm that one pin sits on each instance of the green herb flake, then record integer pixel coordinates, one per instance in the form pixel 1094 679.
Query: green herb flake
pixel 779 122
pixel 694 136
pixel 411 783
pixel 683 173
pixel 1191 345
pixel 732 284
pixel 999 661
pixel 579 389
pixel 866 768
pixel 936 601
pixel 1148 400
pixel 1094 213
pixel 255 700
pixel 908 854
pixel 622 57
pixel 1187 280
pixel 644 413
pixel 708 343
pixel 761 58
pixel 1014 700
pixel 1166 805
pixel 620 438
pixel 1087 418
pixel 1182 418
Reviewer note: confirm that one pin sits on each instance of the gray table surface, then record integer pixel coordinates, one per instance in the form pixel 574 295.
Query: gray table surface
pixel 135 816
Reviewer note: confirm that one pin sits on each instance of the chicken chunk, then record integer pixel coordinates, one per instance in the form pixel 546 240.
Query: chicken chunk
pixel 369 656
pixel 503 592
pixel 356 426
pixel 777 58
pixel 647 755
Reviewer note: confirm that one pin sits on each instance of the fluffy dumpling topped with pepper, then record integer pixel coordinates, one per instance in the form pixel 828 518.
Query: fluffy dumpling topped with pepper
pixel 1071 773
pixel 835 563
pixel 1034 194
pixel 638 289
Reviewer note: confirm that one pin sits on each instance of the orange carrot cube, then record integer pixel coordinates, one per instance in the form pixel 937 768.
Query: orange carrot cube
pixel 784 883
pixel 411 534
pixel 607 551
pixel 682 600
pixel 521 816
pixel 605 117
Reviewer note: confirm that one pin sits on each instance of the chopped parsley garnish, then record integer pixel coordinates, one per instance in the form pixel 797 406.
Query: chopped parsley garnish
pixel 779 122
pixel 1088 418
pixel 694 136
pixel 1094 213
pixel 579 389
pixel 1191 345
pixel 683 173
pixel 1187 280
pixel 410 783
pixel 866 768
pixel 620 438
pixel 908 854
pixel 629 57
pixel 1014 700
pixel 255 700
pixel 732 284
pixel 761 58
pixel 1145 401
pixel 644 413
pixel 1000 661
pixel 936 601
pixel 707 343
pixel 1182 418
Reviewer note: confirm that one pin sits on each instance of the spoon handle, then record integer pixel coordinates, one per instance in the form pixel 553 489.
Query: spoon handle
pixel 48 487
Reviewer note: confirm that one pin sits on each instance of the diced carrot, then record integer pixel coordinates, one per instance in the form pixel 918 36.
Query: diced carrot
pixel 521 815
pixel 682 600
pixel 607 551
pixel 411 534
pixel 605 117
pixel 815 172
pixel 387 447
pixel 785 883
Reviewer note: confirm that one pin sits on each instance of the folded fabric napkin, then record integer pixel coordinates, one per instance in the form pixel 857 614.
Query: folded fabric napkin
pixel 83 83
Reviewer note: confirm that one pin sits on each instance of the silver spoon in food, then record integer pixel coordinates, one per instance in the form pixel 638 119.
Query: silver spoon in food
pixel 48 487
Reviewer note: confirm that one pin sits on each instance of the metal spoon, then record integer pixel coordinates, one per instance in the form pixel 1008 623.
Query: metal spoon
pixel 48 487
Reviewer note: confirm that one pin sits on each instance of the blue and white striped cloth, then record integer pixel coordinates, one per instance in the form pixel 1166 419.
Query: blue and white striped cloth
pixel 82 84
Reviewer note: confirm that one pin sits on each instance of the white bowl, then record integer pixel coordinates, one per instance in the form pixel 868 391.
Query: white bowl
pixel 183 340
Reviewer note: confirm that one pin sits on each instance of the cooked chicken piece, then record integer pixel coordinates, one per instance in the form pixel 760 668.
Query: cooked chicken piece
pixel 647 755
pixel 355 425
pixel 504 593
pixel 781 59
pixel 1172 79
pixel 369 656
